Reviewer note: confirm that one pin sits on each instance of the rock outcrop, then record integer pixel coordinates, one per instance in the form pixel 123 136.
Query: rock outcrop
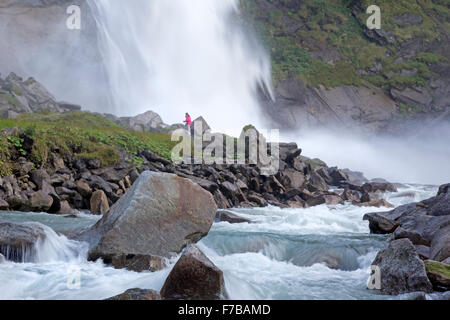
pixel 194 277
pixel 17 241
pixel 159 215
pixel 401 269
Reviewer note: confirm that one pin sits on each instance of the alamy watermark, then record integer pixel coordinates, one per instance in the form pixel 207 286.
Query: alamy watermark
pixel 374 21
pixel 73 277
pixel 73 22
pixel 374 282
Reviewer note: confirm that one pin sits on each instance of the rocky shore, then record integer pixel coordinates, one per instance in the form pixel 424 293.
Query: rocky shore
pixel 418 256
pixel 153 209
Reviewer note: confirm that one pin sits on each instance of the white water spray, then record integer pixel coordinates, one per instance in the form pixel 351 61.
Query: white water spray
pixel 181 56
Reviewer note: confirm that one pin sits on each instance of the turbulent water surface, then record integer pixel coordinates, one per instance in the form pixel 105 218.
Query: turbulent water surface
pixel 322 252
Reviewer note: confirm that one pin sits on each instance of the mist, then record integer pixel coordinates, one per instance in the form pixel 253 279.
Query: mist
pixel 412 158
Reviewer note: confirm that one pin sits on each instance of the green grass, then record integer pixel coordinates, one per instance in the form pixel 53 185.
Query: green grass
pixel 82 135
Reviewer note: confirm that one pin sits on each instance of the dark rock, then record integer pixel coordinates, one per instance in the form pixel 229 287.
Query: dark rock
pixel 292 179
pixel 423 252
pixel 328 199
pixel 79 164
pixel 444 189
pixel 99 203
pixel 369 196
pixel 138 262
pixel 351 195
pixel 260 201
pixel 379 186
pixel 338 176
pixel 230 217
pixel 39 176
pixel 401 269
pixel 136 295
pixel 159 215
pixel 440 245
pixel 415 237
pixel 355 177
pixel 17 241
pixel 221 201
pixel 84 189
pixel 194 277
pixel 376 203
pixel 316 183
pixel 94 164
pixel 380 224
pixel 440 205
pixel 40 201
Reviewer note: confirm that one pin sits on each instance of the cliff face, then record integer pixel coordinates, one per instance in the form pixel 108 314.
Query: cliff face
pixel 331 70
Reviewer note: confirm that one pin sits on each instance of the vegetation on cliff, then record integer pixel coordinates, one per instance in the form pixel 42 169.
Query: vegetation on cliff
pixel 326 42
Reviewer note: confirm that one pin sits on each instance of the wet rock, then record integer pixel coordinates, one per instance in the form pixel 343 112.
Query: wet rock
pixel 351 195
pixel 2 259
pixel 159 215
pixel 414 236
pixel 65 208
pixel 378 187
pixel 230 217
pixel 376 203
pixel 439 275
pixel 439 206
pixel 293 179
pixel 194 277
pixel 355 177
pixel 40 201
pixel 380 224
pixel 369 196
pixel 440 245
pixel 17 240
pixel 260 201
pixel 138 263
pixel 136 295
pixel 328 199
pixel 337 176
pixel 99 203
pixel 401 269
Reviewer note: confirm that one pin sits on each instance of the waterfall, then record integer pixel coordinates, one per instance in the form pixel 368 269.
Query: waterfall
pixel 181 56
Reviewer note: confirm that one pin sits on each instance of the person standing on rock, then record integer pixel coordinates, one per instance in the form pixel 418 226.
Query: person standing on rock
pixel 188 122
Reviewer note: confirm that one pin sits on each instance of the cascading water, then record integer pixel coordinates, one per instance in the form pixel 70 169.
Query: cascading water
pixel 322 252
pixel 182 56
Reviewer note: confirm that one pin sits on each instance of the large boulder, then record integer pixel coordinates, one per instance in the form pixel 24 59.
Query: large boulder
pixel 147 122
pixel 159 215
pixel 137 294
pixel 401 269
pixel 18 240
pixel 194 277
pixel 40 201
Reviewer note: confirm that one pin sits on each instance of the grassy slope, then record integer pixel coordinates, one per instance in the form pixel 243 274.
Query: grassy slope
pixel 329 25
pixel 82 135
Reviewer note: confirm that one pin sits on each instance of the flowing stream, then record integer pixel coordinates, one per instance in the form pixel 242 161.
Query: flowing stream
pixel 322 252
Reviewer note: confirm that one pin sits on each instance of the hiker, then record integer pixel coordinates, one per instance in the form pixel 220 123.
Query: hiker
pixel 188 122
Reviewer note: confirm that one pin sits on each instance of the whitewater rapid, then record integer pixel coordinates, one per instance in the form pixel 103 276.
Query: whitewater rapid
pixel 322 252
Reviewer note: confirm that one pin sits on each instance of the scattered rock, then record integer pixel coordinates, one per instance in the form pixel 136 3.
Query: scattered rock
pixel 99 202
pixel 194 277
pixel 440 245
pixel 379 224
pixel 139 262
pixel 4 205
pixel 230 217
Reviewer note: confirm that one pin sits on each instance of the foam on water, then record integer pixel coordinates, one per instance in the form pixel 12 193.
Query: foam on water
pixel 322 252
